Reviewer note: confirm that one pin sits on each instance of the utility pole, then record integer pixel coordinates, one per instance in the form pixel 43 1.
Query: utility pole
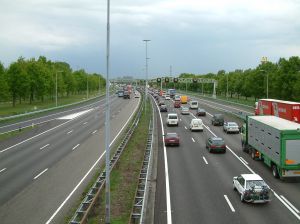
pixel 107 123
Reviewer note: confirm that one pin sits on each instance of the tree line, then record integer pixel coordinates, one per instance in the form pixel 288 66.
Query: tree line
pixel 283 80
pixel 34 80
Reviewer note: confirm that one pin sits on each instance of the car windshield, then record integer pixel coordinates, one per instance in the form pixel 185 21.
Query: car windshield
pixel 201 110
pixel 163 106
pixel 194 103
pixel 185 108
pixel 253 183
pixel 171 135
pixel 172 117
pixel 232 124
pixel 218 141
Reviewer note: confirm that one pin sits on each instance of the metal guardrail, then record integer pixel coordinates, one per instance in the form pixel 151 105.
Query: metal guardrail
pixel 137 214
pixel 87 203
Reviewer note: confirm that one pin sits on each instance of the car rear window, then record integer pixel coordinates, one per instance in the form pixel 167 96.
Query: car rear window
pixel 172 117
pixel 194 103
pixel 218 142
pixel 172 135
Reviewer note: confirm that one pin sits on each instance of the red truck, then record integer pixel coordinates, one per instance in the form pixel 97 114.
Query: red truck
pixel 285 109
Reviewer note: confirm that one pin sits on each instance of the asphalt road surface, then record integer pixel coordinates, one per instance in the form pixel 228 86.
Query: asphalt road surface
pixel 44 175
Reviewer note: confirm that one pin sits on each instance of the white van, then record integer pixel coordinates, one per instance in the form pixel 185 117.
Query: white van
pixel 196 125
pixel 193 104
pixel 172 119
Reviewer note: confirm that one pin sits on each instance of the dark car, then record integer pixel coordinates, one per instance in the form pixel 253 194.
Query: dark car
pixel 215 144
pixel 217 119
pixel 126 95
pixel 161 103
pixel 201 112
pixel 171 139
pixel 177 104
pixel 163 108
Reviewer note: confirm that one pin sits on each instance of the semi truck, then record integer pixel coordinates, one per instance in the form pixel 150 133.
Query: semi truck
pixel 280 108
pixel 183 99
pixel 275 141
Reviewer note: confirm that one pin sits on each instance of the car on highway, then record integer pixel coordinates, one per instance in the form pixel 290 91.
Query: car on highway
pixel 120 93
pixel 196 125
pixel 184 111
pixel 201 112
pixel 172 139
pixel 136 94
pixel 193 104
pixel 167 97
pixel 172 119
pixel 126 95
pixel 163 108
pixel 252 188
pixel 161 103
pixel 217 119
pixel 231 127
pixel 177 98
pixel 215 144
pixel 177 104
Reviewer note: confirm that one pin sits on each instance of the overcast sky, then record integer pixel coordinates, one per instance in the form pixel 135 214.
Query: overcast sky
pixel 194 36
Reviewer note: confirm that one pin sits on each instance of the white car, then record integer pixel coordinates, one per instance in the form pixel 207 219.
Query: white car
pixel 252 188
pixel 176 98
pixel 172 119
pixel 167 97
pixel 193 104
pixel 185 110
pixel 231 127
pixel 196 125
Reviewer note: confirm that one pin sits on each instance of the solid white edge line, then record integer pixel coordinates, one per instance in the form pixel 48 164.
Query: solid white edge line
pixel 229 203
pixel 89 171
pixel 2 170
pixel 244 160
pixel 193 139
pixel 185 127
pixel 168 200
pixel 44 146
pixel 70 132
pixel 290 204
pixel 94 131
pixel 75 146
pixel 205 160
pixel 37 176
pixel 276 195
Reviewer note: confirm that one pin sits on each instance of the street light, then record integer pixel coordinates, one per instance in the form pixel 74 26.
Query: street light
pixel 227 86
pixel 146 41
pixel 56 88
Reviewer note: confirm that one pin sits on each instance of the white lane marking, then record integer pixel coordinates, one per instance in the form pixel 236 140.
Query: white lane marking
pixel 276 195
pixel 2 170
pixel 185 127
pixel 70 132
pixel 205 160
pixel 75 146
pixel 90 170
pixel 44 146
pixel 229 203
pixel 168 198
pixel 290 204
pixel 244 160
pixel 85 123
pixel 193 139
pixel 37 176
pixel 94 132
pixel 75 115
pixel 180 119
pixel 209 114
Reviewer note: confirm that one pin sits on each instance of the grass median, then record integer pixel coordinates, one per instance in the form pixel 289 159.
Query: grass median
pixel 124 177
pixel 15 133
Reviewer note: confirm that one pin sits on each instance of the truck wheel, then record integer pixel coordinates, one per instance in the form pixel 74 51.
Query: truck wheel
pixel 275 171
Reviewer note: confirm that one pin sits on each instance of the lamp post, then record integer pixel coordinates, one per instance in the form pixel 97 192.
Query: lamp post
pixel 56 88
pixel 227 86
pixel 146 90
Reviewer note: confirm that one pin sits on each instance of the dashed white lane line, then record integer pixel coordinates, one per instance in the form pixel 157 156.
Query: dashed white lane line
pixel 185 127
pixel 70 132
pixel 37 176
pixel 290 204
pixel 75 115
pixel 85 123
pixel 94 132
pixel 193 139
pixel 2 170
pixel 44 146
pixel 205 160
pixel 229 203
pixel 75 146
pixel 180 119
pixel 244 160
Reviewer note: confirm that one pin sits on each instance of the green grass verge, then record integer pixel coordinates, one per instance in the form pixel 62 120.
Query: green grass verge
pixel 15 133
pixel 6 109
pixel 124 177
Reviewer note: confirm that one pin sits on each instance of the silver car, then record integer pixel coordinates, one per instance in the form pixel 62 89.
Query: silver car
pixel 185 110
pixel 231 127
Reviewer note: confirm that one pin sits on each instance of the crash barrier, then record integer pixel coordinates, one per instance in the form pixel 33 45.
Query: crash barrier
pixel 137 214
pixel 87 203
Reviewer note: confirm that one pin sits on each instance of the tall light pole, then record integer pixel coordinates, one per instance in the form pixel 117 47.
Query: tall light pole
pixel 56 87
pixel 107 122
pixel 146 90
pixel 227 86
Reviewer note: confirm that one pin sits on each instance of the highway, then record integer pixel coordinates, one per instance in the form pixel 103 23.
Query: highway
pixel 43 173
pixel 200 183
